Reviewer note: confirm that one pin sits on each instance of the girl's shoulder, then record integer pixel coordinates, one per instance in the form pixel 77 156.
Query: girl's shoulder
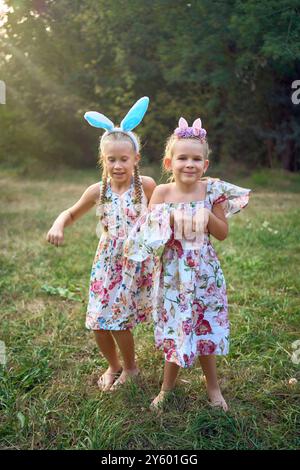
pixel 159 193
pixel 93 192
pixel 148 182
pixel 148 186
pixel 163 189
pixel 147 179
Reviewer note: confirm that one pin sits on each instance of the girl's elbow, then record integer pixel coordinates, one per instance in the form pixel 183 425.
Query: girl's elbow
pixel 222 238
pixel 223 235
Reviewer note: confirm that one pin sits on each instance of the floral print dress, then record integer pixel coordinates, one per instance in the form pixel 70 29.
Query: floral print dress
pixel 119 216
pixel 188 296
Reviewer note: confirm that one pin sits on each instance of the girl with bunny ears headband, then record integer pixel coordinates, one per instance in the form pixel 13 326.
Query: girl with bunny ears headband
pixel 112 325
pixel 122 133
pixel 130 121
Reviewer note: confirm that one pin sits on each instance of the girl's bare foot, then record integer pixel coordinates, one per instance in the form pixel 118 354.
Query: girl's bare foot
pixel 108 378
pixel 216 398
pixel 126 375
pixel 159 401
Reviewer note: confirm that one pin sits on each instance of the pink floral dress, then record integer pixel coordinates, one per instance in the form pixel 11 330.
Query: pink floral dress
pixel 188 296
pixel 120 215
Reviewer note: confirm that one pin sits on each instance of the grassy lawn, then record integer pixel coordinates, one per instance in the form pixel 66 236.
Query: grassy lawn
pixel 49 398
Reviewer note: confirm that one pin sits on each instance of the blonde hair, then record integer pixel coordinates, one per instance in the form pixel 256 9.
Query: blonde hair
pixel 168 154
pixel 118 137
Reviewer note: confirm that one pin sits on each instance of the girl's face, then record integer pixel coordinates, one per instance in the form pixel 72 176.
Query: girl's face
pixel 188 163
pixel 120 158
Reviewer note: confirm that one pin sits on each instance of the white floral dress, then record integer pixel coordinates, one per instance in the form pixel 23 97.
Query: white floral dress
pixel 188 296
pixel 120 215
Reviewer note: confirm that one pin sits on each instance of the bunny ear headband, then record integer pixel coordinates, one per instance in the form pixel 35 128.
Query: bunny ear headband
pixel 130 121
pixel 196 131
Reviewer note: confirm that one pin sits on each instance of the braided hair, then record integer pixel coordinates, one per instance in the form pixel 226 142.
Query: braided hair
pixel 137 188
pixel 103 188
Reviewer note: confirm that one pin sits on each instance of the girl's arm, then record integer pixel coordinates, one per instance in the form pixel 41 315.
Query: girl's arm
pixel 69 216
pixel 217 222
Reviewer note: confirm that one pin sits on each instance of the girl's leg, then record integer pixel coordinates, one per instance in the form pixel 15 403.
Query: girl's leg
pixel 125 342
pixel 170 376
pixel 208 364
pixel 107 346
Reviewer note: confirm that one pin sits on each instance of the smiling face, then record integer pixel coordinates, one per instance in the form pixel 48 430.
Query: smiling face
pixel 187 162
pixel 119 158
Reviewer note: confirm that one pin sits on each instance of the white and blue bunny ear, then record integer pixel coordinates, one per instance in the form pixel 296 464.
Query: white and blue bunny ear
pixel 98 120
pixel 135 114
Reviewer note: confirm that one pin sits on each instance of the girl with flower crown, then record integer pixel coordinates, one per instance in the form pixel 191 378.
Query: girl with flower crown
pixel 189 298
pixel 121 197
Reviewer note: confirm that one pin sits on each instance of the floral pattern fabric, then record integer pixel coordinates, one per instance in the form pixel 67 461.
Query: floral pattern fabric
pixel 119 216
pixel 188 293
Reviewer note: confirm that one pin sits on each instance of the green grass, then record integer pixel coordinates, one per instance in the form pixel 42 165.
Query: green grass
pixel 49 398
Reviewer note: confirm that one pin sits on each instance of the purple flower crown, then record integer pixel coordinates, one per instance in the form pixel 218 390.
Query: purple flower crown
pixel 196 131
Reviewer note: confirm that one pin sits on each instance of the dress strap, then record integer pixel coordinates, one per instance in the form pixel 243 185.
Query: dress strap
pixel 208 189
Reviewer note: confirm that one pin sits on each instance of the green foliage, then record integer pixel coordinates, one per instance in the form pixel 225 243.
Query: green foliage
pixel 60 291
pixel 230 62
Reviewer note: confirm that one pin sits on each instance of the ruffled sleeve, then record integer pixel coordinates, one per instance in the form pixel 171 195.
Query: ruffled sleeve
pixel 141 269
pixel 234 198
pixel 149 235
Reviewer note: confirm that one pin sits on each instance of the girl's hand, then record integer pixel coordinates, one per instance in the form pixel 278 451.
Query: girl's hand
pixel 55 235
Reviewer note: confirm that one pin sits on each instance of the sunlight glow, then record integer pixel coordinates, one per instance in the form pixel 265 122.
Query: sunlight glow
pixel 4 9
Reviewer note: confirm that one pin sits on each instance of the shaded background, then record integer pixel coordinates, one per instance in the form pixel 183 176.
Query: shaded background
pixel 230 62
